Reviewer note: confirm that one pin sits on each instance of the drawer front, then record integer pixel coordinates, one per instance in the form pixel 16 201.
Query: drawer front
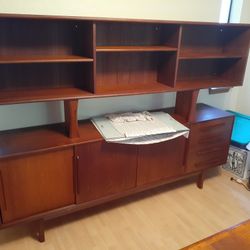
pixel 208 144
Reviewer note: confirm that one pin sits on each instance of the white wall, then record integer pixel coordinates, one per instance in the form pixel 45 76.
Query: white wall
pixel 14 116
pixel 243 100
pixel 154 9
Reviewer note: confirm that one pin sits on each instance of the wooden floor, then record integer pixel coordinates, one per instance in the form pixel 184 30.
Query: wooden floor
pixel 169 217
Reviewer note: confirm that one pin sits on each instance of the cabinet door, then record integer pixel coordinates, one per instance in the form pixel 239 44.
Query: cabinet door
pixel 104 169
pixel 208 144
pixel 36 183
pixel 159 161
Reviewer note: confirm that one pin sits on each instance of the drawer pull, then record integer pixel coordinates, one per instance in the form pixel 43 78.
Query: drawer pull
pixel 215 151
pixel 212 139
pixel 210 163
pixel 213 126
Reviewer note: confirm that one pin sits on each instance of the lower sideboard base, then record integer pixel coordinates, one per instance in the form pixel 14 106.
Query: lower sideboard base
pixel 40 219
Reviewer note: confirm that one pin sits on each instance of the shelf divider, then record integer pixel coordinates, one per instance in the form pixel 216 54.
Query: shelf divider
pixel 43 59
pixel 134 48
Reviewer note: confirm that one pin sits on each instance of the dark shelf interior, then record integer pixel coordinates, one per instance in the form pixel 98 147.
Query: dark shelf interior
pixel 213 41
pixel 136 34
pixel 134 71
pixel 45 76
pixel 210 72
pixel 56 39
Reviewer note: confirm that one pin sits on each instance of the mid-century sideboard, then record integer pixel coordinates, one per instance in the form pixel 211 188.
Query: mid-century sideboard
pixel 53 170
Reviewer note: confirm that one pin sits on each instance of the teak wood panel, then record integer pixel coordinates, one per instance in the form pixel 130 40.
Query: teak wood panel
pixel 208 144
pixel 104 169
pixel 160 161
pixel 37 183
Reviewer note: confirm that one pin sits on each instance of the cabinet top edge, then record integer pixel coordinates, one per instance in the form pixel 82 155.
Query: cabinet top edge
pixel 109 19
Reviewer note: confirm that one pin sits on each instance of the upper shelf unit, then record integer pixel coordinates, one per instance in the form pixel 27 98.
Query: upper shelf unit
pixel 45 58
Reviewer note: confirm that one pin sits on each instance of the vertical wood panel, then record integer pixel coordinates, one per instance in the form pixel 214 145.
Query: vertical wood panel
pixel 104 169
pixel 159 161
pixel 37 183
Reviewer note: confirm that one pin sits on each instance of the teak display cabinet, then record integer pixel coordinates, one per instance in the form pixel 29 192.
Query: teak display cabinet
pixel 53 170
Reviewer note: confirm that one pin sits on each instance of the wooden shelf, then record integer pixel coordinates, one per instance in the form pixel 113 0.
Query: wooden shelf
pixel 32 140
pixel 186 56
pixel 57 94
pixel 38 95
pixel 133 89
pixel 43 59
pixel 35 139
pixel 134 48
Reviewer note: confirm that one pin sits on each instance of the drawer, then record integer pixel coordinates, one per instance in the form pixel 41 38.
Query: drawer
pixel 212 133
pixel 208 144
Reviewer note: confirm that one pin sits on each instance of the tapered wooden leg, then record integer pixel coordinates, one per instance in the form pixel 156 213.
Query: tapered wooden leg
pixel 200 180
pixel 40 231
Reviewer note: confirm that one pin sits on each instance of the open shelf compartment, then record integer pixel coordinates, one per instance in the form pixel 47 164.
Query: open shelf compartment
pixel 38 41
pixel 46 81
pixel 209 41
pixel 129 37
pixel 134 72
pixel 210 73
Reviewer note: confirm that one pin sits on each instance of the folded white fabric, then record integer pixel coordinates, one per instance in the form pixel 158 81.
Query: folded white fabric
pixel 130 117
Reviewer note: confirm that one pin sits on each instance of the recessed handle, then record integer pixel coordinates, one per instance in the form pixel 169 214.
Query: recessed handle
pixel 77 158
pixel 3 191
